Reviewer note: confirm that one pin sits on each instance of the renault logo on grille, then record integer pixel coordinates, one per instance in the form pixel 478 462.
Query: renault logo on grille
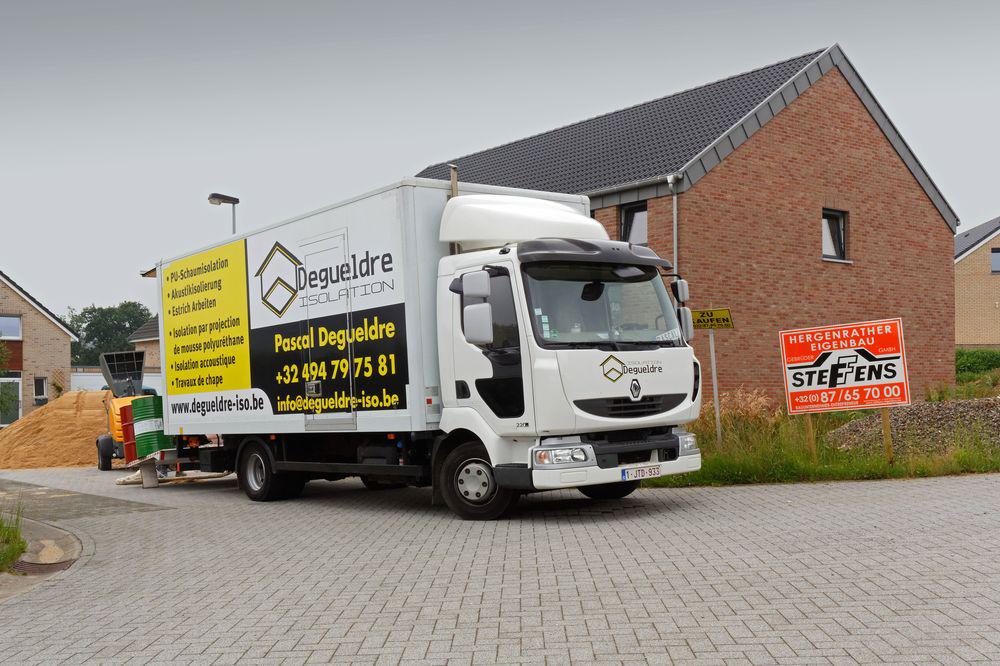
pixel 635 388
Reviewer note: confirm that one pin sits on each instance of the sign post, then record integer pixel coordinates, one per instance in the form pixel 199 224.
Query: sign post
pixel 887 435
pixel 844 367
pixel 713 319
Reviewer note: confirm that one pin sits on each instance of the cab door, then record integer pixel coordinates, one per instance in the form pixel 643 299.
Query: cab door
pixel 494 378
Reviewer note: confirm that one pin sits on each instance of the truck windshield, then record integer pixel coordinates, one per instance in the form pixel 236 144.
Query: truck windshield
pixel 591 305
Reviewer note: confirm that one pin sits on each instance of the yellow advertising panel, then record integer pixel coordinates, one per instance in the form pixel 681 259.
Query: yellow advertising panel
pixel 717 318
pixel 205 321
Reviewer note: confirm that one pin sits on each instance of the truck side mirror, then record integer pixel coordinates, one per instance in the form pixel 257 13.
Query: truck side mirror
pixel 477 320
pixel 680 289
pixel 476 284
pixel 687 323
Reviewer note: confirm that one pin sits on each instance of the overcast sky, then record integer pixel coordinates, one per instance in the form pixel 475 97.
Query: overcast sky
pixel 118 118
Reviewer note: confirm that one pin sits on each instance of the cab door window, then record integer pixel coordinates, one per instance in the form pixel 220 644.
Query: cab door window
pixel 503 393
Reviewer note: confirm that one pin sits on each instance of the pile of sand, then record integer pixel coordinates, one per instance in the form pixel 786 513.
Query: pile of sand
pixel 60 434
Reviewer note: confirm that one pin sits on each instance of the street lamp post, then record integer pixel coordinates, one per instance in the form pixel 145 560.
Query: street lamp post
pixel 217 199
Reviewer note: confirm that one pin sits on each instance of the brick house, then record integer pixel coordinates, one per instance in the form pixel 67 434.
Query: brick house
pixel 797 204
pixel 977 286
pixel 146 338
pixel 39 346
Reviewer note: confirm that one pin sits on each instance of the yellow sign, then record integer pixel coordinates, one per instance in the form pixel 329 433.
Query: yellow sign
pixel 717 318
pixel 206 321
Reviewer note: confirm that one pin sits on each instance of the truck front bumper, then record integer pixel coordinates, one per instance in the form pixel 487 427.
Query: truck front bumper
pixel 667 454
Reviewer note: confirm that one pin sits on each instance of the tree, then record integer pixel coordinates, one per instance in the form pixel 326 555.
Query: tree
pixel 105 329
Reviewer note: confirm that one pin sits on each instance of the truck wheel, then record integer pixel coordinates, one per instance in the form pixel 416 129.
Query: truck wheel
pixel 469 486
pixel 259 481
pixel 609 491
pixel 105 451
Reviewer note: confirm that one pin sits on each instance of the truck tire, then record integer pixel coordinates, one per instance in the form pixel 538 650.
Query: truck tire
pixel 105 451
pixel 469 486
pixel 259 480
pixel 609 491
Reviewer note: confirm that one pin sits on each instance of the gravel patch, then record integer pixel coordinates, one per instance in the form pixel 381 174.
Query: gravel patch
pixel 926 427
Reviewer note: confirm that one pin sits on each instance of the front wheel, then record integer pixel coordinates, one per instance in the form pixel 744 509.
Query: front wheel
pixel 469 485
pixel 609 491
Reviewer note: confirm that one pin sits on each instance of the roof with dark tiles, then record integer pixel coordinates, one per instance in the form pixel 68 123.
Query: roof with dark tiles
pixel 967 240
pixel 627 155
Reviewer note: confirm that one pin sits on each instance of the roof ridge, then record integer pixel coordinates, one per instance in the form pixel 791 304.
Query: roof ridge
pixel 995 220
pixel 629 107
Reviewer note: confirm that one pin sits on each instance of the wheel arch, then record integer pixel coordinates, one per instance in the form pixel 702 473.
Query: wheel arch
pixel 444 445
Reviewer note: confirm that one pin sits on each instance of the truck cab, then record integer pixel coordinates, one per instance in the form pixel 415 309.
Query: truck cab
pixel 564 357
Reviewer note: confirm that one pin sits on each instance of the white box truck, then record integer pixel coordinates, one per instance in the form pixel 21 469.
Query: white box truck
pixel 486 344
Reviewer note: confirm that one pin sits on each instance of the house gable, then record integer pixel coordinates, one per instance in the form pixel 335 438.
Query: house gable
pixel 29 300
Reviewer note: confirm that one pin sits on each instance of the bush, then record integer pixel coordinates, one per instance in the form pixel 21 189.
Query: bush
pixel 976 361
pixel 12 544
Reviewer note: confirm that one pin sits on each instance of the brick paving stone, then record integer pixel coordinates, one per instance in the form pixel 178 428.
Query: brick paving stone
pixel 894 571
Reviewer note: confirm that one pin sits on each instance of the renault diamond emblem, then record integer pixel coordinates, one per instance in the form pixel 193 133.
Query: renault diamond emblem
pixel 635 389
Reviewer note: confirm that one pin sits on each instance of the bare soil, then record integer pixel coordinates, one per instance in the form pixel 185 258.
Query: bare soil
pixel 926 427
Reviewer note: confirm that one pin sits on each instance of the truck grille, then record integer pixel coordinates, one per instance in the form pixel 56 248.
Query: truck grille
pixel 625 408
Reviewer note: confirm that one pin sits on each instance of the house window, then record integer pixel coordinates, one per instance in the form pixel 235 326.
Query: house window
pixel 995 260
pixel 10 327
pixel 634 227
pixel 41 387
pixel 834 234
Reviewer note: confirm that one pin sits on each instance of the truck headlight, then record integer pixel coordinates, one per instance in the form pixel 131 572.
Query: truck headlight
pixel 560 456
pixel 688 442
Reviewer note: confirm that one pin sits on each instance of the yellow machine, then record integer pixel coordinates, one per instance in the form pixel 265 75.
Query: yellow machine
pixel 114 409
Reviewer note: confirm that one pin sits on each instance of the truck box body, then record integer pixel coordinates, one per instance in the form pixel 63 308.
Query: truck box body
pixel 325 322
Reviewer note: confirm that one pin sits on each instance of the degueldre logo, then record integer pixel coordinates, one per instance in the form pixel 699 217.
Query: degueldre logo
pixel 278 272
pixel 613 368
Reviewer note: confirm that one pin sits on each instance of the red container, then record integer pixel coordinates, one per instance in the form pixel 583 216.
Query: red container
pixel 128 433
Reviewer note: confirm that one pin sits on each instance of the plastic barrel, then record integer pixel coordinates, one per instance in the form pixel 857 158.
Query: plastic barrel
pixel 128 434
pixel 147 417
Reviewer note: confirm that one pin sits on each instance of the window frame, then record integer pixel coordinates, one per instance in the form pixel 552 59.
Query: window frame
pixel 20 327
pixel 994 253
pixel 626 218
pixel 45 387
pixel 843 217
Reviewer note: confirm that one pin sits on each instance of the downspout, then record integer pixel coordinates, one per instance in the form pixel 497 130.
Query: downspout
pixel 673 180
pixel 453 248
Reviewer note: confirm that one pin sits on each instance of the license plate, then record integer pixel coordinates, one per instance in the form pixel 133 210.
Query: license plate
pixel 640 473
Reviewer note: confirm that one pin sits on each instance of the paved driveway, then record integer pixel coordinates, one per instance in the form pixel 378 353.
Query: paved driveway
pixel 848 572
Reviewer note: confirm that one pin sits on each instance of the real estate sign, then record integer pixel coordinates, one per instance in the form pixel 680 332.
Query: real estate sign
pixel 847 366
pixel 712 319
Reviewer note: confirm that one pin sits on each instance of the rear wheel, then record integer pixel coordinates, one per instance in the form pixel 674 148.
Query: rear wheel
pixel 609 491
pixel 469 485
pixel 260 482
pixel 105 451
